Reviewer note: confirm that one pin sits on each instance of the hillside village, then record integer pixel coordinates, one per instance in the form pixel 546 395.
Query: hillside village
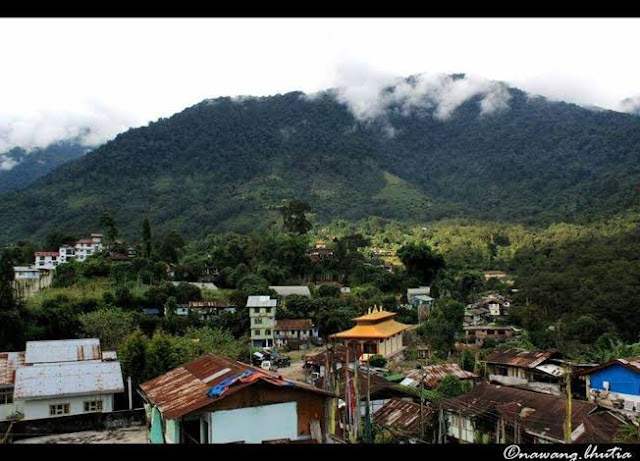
pixel 130 337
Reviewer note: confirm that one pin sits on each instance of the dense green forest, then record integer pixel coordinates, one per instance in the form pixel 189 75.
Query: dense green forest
pixel 227 164
pixel 35 164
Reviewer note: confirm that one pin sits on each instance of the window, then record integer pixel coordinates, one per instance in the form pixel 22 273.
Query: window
pixel 257 321
pixel 267 332
pixel 93 405
pixel 256 310
pixel 59 409
pixel 268 310
pixel 6 396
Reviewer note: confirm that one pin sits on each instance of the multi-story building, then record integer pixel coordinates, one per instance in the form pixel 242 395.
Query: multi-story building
pixel 81 250
pixel 295 331
pixel 262 316
pixel 47 259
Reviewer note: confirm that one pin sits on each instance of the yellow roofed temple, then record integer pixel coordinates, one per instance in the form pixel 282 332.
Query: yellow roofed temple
pixel 377 332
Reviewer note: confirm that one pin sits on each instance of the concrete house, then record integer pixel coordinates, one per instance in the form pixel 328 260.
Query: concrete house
pixel 533 370
pixel 480 333
pixel 58 378
pixel 615 384
pixel 262 317
pixel 82 249
pixel 47 260
pixel 215 399
pixel 294 330
pixel 498 414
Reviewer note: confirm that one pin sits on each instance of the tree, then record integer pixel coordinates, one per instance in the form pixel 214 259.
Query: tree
pixel 11 315
pixel 110 324
pixel 169 246
pixel 452 386
pixel 161 356
pixel 55 239
pixel 628 433
pixel 146 238
pixel 133 355
pixel 421 261
pixel 294 217
pixel 442 325
pixel 469 286
pixel 107 221
pixel 378 361
pixel 467 361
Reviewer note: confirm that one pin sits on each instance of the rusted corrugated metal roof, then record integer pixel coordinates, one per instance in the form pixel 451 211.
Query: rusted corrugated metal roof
pixel 433 374
pixel 184 389
pixel 403 416
pixel 67 350
pixel 339 354
pixel 537 413
pixel 9 361
pixel 519 357
pixel 294 324
pixel 601 428
pixel 56 380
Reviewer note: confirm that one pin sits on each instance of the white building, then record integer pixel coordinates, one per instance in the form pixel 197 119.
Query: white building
pixel 262 317
pixel 47 260
pixel 420 291
pixel 26 273
pixel 82 249
pixel 58 378
pixel 29 280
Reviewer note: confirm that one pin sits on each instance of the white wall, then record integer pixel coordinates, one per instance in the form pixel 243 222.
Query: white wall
pixel 6 410
pixel 38 409
pixel 255 424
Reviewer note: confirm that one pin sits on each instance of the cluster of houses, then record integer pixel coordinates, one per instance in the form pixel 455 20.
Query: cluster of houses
pixel 519 397
pixel 515 396
pixel 31 279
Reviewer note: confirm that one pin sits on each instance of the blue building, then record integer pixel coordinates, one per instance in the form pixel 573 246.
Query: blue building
pixel 615 384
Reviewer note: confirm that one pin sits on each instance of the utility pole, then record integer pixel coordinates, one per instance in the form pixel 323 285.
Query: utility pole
pixel 347 400
pixel 567 424
pixel 422 402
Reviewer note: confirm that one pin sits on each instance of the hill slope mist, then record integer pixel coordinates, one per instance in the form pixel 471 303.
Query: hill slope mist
pixel 19 168
pixel 224 164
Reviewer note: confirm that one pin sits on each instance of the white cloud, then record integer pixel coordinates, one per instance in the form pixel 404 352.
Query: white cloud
pixel 630 105
pixel 369 94
pixel 7 163
pixel 61 76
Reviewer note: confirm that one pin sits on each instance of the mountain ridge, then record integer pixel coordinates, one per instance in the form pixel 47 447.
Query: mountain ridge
pixel 225 163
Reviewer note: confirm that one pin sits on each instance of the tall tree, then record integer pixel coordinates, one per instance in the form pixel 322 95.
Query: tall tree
pixel 11 321
pixel 107 221
pixel 421 261
pixel 294 217
pixel 146 238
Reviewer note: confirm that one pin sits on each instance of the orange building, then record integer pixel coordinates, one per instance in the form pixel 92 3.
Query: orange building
pixel 377 332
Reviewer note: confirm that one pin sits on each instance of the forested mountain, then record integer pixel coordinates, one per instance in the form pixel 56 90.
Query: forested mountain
pixel 22 167
pixel 224 164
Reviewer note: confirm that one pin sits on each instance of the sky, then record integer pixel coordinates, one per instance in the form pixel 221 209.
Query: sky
pixel 62 76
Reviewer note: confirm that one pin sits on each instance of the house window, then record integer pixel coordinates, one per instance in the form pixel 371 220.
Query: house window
pixel 267 332
pixel 268 310
pixel 59 409
pixel 256 310
pixel 6 396
pixel 93 405
pixel 257 321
